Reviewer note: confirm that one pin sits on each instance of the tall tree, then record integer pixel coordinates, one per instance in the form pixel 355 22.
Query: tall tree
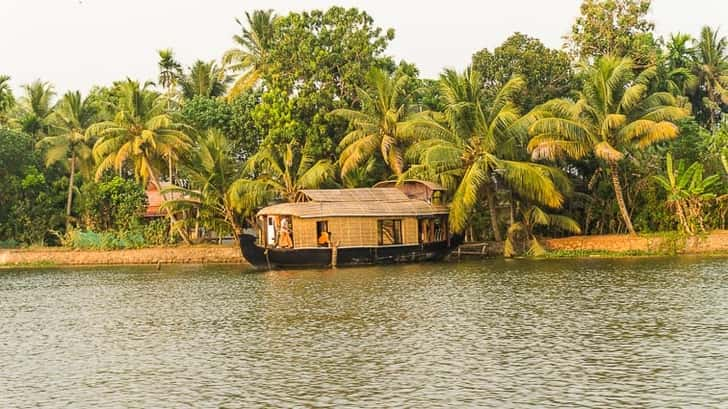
pixel 316 62
pixel 614 27
pixel 7 101
pixel 478 153
pixel 36 105
pixel 383 126
pixel 142 132
pixel 711 70
pixel 547 72
pixel 204 79
pixel 249 59
pixel 215 184
pixel 613 114
pixel 69 143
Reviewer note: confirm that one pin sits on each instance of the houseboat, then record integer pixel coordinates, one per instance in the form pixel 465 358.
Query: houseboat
pixel 387 223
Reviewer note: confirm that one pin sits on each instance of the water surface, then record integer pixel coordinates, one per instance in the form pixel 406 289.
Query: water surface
pixel 559 333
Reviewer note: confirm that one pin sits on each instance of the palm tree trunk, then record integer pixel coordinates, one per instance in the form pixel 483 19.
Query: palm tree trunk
pixel 69 201
pixel 171 174
pixel 614 171
pixel 490 198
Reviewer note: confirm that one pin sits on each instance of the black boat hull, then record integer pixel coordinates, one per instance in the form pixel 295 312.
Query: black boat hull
pixel 271 258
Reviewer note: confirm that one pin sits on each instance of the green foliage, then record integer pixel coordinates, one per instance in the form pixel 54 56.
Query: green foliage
pixel 115 204
pixel 31 196
pixel 234 118
pixel 314 64
pixel 547 72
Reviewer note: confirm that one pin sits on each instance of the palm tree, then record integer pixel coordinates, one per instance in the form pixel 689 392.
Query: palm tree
pixel 523 230
pixel 675 73
pixel 169 69
pixel 478 154
pixel 7 101
pixel 711 70
pixel 204 79
pixel 35 107
pixel 69 141
pixel 383 125
pixel 285 170
pixel 142 132
pixel 250 58
pixel 614 112
pixel 687 191
pixel 215 182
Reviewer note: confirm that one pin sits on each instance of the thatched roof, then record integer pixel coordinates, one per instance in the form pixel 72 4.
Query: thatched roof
pixel 360 202
pixel 365 208
pixel 366 194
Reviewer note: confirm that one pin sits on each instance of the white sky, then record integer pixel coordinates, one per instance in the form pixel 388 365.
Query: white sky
pixel 79 43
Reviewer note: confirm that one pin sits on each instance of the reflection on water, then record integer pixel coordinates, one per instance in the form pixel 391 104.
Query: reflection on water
pixel 589 333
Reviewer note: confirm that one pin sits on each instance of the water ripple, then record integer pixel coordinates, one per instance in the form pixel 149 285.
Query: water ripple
pixel 574 333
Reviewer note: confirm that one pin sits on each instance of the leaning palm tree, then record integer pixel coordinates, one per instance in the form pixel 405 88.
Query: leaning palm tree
pixel 479 153
pixel 711 69
pixel 69 143
pixel 35 106
pixel 250 58
pixel 522 231
pixel 7 101
pixel 142 133
pixel 283 171
pixel 614 113
pixel 216 188
pixel 204 79
pixel 383 125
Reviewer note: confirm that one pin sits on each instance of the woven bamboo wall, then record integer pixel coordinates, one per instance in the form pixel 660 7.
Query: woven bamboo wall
pixel 304 232
pixel 349 231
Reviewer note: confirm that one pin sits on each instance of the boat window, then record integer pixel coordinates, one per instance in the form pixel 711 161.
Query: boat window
pixel 390 232
pixel 322 233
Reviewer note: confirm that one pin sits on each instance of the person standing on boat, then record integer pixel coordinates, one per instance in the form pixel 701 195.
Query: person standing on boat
pixel 285 237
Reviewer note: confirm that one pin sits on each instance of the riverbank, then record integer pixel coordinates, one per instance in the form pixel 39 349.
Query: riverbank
pixel 617 245
pixel 56 256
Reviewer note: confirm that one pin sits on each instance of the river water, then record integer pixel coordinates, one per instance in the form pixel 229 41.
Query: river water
pixel 649 332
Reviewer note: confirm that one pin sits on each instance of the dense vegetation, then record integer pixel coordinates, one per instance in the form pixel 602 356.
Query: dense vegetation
pixel 623 132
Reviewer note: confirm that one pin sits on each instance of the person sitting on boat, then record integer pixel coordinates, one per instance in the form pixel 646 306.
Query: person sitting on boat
pixel 323 240
pixel 284 240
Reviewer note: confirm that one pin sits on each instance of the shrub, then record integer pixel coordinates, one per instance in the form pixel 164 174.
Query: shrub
pixel 156 232
pixel 116 204
pixel 110 240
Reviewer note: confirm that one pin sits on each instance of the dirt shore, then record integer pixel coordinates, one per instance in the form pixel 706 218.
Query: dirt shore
pixel 715 242
pixel 198 254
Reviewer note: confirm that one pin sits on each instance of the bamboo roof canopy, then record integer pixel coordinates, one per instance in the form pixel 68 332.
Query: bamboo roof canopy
pixel 408 207
pixel 359 202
